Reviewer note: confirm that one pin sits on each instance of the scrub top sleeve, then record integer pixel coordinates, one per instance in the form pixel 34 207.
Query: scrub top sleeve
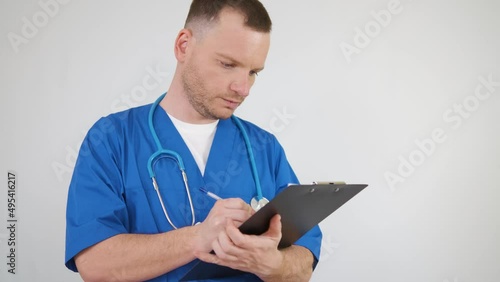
pixel 283 171
pixel 95 209
pixel 284 176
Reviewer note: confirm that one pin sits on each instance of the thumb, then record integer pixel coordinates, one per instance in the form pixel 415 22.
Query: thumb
pixel 274 230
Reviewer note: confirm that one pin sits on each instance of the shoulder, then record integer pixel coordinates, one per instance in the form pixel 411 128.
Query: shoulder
pixel 114 128
pixel 269 150
pixel 254 130
pixel 125 117
pixel 120 121
pixel 259 137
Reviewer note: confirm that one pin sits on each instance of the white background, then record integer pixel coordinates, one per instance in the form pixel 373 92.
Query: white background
pixel 354 121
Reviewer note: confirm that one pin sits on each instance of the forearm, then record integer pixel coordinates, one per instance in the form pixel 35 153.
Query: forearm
pixel 137 257
pixel 297 265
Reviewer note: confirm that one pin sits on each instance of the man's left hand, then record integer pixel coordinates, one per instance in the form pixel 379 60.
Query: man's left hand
pixel 255 254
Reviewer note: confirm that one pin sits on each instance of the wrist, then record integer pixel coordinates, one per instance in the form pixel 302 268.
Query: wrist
pixel 278 271
pixel 195 244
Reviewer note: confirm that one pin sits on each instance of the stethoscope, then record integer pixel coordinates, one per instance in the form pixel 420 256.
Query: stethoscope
pixel 257 202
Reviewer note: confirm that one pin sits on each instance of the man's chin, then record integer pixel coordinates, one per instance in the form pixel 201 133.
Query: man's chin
pixel 225 114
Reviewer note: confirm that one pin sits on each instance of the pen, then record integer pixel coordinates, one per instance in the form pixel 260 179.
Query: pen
pixel 210 194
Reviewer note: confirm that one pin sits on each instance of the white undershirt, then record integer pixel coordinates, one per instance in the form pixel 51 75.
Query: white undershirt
pixel 198 138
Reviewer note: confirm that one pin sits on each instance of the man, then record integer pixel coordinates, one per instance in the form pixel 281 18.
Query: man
pixel 119 228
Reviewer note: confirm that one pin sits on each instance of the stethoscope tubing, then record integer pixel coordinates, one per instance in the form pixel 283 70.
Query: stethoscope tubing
pixel 175 156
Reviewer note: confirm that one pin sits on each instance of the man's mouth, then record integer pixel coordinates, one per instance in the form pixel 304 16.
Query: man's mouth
pixel 233 104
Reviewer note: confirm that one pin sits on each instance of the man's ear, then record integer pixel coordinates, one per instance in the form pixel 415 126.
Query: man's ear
pixel 182 42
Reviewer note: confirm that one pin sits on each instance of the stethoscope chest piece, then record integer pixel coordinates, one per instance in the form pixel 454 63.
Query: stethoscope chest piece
pixel 258 204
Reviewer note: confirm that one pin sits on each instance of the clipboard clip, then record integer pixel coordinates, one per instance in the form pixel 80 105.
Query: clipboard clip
pixel 328 183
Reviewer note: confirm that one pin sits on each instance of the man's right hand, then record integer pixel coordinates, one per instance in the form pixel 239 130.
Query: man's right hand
pixel 234 209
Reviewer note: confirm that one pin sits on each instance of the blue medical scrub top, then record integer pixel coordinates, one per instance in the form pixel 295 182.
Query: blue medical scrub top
pixel 111 192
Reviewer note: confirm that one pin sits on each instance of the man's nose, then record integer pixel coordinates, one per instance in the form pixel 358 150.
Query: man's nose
pixel 242 85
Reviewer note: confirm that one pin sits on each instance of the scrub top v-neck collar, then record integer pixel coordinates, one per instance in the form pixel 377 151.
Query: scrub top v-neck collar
pixel 223 145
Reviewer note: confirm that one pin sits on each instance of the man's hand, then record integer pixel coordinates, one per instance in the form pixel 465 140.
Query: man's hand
pixel 250 253
pixel 208 231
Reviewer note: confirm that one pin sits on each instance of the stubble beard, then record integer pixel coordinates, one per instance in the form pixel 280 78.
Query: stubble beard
pixel 197 94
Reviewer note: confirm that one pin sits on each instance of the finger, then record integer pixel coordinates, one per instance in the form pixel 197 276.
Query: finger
pixel 210 258
pixel 207 257
pixel 237 215
pixel 231 206
pixel 237 238
pixel 252 211
pixel 274 230
pixel 224 242
pixel 237 223
pixel 235 203
pixel 221 253
pixel 228 246
pixel 218 215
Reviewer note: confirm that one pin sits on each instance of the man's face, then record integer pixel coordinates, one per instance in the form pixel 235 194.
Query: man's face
pixel 221 68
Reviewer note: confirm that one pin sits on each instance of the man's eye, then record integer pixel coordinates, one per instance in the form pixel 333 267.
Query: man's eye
pixel 227 65
pixel 252 73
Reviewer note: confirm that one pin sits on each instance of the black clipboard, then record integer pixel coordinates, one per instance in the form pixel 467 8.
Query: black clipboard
pixel 301 208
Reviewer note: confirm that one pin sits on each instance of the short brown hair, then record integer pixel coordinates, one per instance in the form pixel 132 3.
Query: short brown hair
pixel 256 16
